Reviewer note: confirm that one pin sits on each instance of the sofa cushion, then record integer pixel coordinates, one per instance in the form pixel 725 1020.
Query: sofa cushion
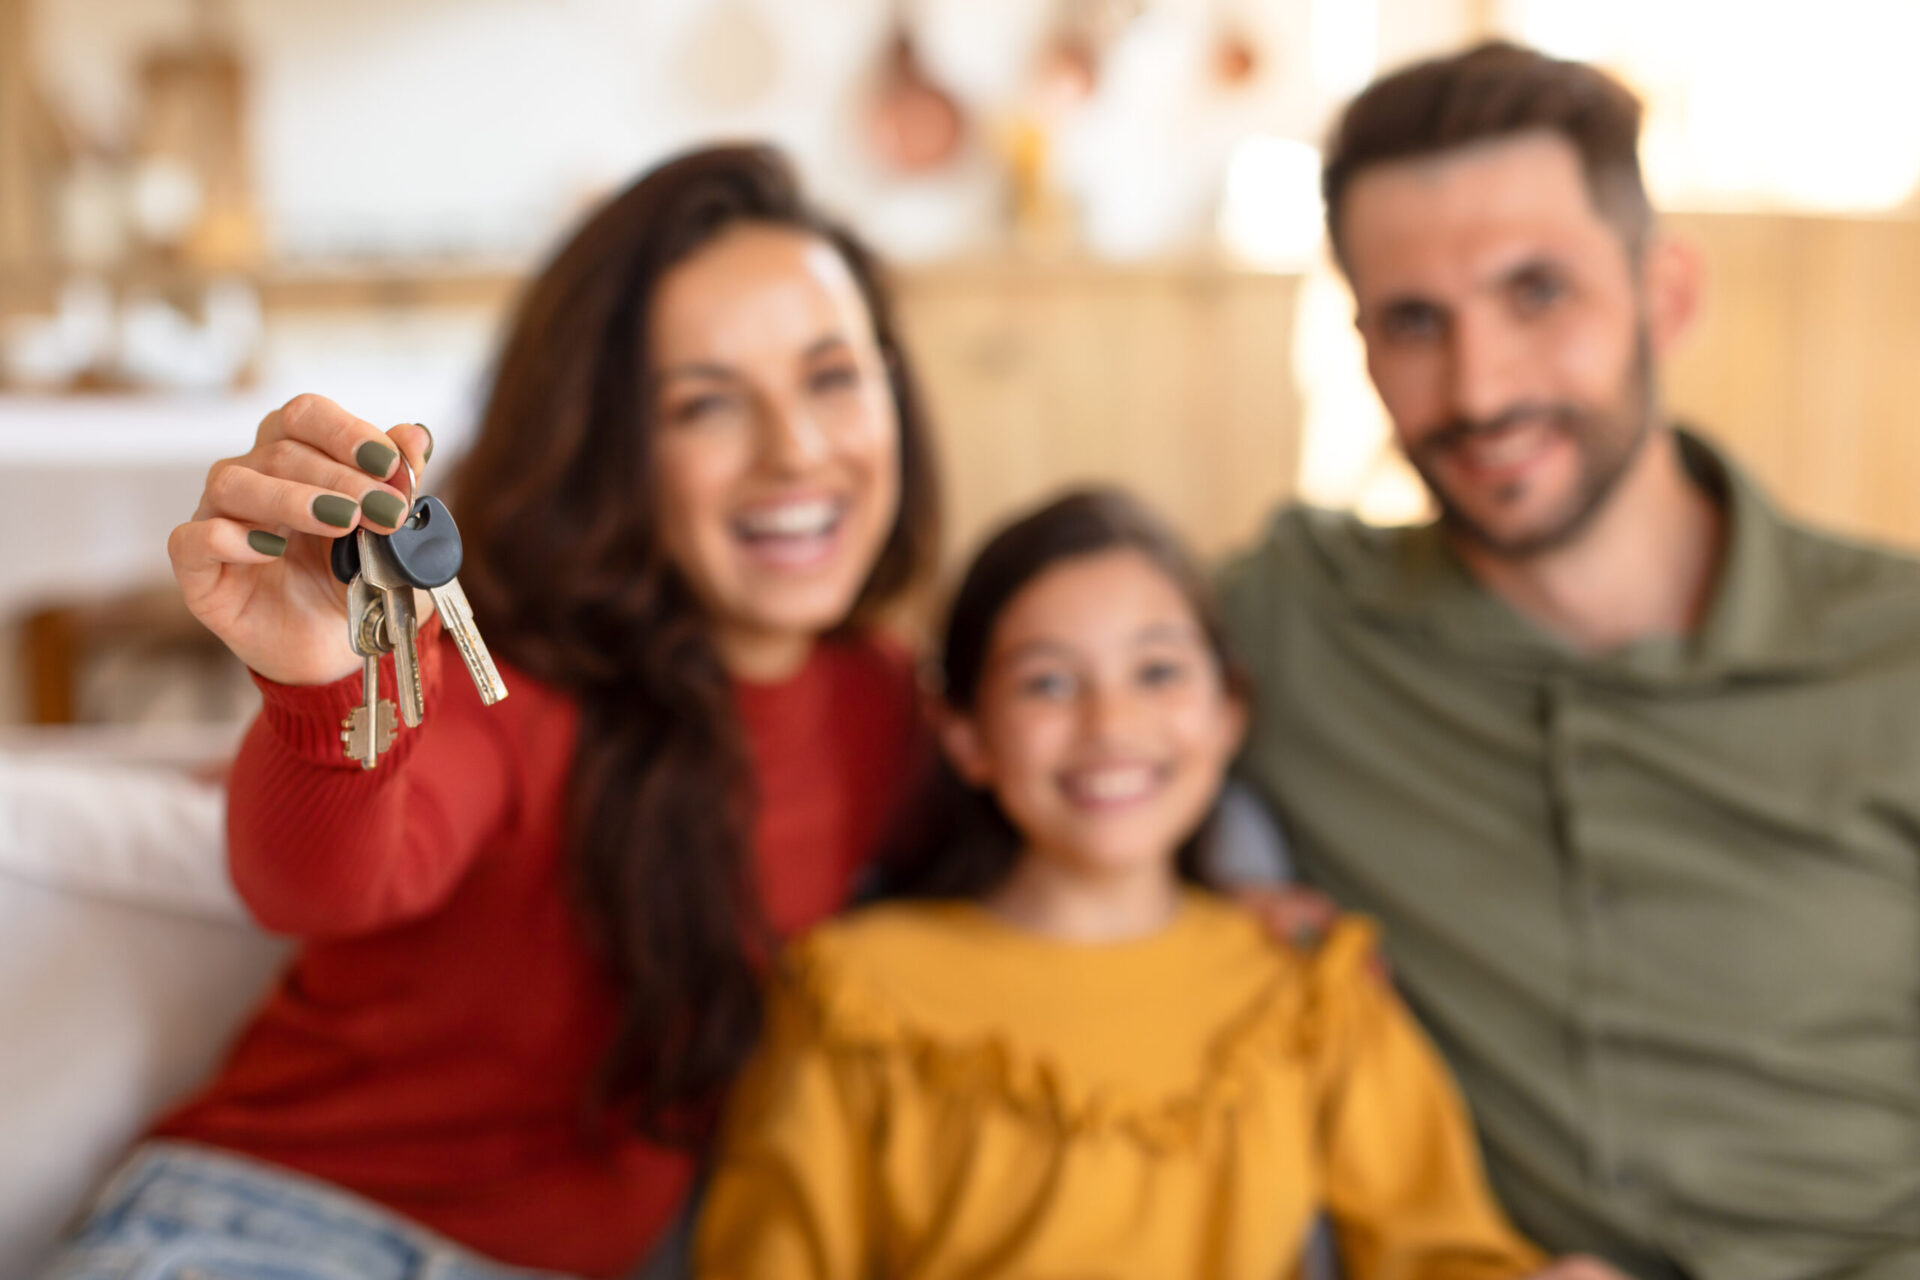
pixel 126 964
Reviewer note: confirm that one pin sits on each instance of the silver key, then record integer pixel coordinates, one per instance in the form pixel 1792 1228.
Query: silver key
pixel 369 729
pixel 456 615
pixel 377 569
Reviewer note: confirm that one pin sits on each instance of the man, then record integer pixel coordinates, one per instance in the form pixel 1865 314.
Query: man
pixel 1627 762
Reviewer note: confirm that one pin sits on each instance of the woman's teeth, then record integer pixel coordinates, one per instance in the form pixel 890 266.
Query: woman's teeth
pixel 791 520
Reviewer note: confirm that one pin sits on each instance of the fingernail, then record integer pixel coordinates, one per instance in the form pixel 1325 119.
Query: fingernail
pixel 384 508
pixel 426 457
pixel 375 459
pixel 267 544
pixel 331 508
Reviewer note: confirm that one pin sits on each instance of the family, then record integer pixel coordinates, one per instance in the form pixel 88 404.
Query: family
pixel 742 940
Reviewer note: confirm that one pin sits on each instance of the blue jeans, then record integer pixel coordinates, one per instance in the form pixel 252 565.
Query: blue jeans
pixel 176 1211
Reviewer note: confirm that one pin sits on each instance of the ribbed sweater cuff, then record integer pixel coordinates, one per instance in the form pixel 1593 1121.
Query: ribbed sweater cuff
pixel 310 718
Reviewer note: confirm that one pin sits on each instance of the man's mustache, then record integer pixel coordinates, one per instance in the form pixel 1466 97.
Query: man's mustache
pixel 1565 416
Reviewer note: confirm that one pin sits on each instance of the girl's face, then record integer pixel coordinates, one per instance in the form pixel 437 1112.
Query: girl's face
pixel 1102 723
pixel 777 446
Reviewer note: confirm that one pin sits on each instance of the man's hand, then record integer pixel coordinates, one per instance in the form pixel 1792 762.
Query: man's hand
pixel 1578 1267
pixel 1291 914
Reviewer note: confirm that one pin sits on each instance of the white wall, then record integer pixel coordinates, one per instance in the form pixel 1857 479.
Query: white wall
pixel 439 126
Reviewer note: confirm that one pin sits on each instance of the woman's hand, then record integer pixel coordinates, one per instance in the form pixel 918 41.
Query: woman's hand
pixel 253 561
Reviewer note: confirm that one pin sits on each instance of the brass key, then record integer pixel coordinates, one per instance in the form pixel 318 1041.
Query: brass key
pixel 369 728
pixel 380 571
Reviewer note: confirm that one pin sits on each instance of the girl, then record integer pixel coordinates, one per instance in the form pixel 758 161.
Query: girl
pixel 1066 1057
pixel 532 934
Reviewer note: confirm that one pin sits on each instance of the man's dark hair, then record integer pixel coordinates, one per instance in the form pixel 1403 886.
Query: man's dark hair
pixel 1496 90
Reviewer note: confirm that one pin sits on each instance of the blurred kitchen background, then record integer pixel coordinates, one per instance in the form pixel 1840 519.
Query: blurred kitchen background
pixel 1104 214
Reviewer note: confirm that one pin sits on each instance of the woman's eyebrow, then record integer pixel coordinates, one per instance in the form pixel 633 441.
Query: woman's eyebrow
pixel 695 369
pixel 825 343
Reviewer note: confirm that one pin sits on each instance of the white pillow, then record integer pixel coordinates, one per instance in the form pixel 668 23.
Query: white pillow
pixel 126 965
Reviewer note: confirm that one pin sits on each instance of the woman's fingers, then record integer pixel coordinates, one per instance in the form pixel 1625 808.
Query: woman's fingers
pixel 238 492
pixel 290 460
pixel 354 442
pixel 202 549
pixel 415 444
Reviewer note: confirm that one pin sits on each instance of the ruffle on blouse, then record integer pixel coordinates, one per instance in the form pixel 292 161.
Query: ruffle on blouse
pixel 1288 1021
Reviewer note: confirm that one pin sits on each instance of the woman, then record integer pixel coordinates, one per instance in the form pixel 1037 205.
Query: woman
pixel 533 933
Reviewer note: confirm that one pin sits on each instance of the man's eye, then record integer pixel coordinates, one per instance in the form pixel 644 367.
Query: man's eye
pixel 1538 290
pixel 1411 322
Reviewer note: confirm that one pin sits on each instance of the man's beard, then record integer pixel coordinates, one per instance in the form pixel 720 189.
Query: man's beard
pixel 1606 439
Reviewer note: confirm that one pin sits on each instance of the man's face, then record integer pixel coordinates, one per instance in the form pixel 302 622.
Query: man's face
pixel 1504 333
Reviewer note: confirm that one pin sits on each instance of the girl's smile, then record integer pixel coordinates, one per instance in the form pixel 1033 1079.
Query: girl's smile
pixel 1103 724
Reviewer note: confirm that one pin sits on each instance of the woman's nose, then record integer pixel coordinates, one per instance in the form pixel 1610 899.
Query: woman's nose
pixel 791 438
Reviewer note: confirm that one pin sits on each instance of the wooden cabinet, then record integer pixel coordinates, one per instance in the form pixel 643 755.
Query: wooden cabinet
pixel 1176 382
pixel 1807 363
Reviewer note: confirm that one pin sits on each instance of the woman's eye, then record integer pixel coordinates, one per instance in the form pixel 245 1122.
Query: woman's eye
pixel 836 378
pixel 698 408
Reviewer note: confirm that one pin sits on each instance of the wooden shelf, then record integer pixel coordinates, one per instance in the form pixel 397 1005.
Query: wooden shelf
pixel 348 287
pixel 373 286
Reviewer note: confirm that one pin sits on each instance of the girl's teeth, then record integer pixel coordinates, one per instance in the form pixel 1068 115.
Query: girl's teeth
pixel 1114 784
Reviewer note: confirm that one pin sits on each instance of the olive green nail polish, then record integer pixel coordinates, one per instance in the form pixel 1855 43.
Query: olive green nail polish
pixel 375 459
pixel 383 508
pixel 331 508
pixel 267 544
pixel 426 457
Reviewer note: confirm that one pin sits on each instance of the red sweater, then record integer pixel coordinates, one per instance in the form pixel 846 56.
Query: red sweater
pixel 432 1042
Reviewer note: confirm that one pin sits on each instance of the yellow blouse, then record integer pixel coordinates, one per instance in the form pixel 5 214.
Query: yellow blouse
pixel 942 1095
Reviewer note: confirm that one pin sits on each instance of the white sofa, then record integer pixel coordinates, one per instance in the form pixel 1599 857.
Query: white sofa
pixel 126 963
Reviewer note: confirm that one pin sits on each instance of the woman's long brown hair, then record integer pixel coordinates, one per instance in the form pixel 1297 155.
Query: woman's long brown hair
pixel 569 581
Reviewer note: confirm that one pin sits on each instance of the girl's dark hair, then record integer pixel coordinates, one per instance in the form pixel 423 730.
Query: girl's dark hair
pixel 569 580
pixel 956 841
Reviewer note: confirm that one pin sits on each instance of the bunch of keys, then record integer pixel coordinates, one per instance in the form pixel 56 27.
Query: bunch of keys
pixel 381 572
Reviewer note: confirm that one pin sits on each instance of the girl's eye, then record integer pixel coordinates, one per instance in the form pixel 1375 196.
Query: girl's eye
pixel 1161 672
pixel 1046 684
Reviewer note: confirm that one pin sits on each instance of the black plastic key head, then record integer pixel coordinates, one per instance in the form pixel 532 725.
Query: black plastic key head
pixel 426 546
pixel 345 556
